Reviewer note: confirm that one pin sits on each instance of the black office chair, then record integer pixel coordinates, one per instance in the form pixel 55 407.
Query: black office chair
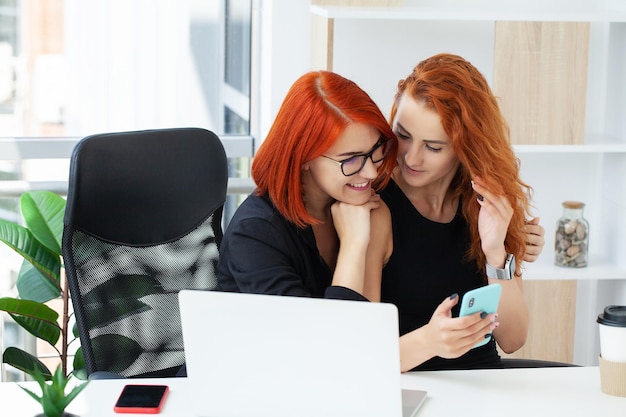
pixel 142 221
pixel 533 363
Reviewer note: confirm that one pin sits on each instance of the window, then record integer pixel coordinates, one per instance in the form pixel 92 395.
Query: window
pixel 71 68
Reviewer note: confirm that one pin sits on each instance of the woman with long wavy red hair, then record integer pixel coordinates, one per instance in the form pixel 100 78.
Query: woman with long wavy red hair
pixel 458 208
pixel 314 225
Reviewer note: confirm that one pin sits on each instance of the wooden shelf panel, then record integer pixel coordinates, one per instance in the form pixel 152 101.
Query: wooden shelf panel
pixel 468 13
pixel 590 148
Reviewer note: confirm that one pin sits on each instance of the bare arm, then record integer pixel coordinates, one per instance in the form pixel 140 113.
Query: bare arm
pixel 378 251
pixel 513 315
pixel 353 227
pixel 493 221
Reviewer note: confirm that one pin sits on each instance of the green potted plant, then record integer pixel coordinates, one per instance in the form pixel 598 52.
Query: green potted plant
pixel 38 282
pixel 54 398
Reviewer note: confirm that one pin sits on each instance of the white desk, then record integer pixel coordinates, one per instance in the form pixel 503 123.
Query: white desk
pixel 537 392
pixel 512 392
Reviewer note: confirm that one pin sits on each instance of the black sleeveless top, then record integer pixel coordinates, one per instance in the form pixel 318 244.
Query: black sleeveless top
pixel 427 265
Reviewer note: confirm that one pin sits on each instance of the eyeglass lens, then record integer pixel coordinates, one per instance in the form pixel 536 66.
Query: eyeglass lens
pixel 355 164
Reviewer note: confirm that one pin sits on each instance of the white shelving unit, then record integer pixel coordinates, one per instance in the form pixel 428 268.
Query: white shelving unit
pixel 376 46
pixel 475 11
pixel 594 174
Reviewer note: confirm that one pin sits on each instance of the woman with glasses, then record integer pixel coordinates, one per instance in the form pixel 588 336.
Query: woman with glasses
pixel 314 225
pixel 458 208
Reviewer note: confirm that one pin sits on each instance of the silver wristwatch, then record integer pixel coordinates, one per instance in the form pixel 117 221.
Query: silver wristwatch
pixel 508 272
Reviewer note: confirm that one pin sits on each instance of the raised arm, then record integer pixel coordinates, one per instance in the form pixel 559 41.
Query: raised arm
pixel 378 251
pixel 362 251
pixel 513 316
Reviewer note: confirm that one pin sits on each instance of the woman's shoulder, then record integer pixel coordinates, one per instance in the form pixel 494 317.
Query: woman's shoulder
pixel 391 193
pixel 381 215
pixel 254 206
pixel 257 212
pixel 380 221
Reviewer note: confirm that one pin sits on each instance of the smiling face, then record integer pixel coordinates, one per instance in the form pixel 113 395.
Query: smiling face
pixel 326 177
pixel 425 154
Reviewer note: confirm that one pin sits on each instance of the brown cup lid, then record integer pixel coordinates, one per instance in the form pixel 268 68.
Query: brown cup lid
pixel 613 316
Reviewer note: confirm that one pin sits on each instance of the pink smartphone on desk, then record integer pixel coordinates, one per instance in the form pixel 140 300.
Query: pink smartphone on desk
pixel 141 399
pixel 483 299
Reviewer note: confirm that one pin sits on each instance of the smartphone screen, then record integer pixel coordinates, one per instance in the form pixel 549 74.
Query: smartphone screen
pixel 141 399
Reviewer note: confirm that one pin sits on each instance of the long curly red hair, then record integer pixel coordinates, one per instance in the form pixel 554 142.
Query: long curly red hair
pixel 316 110
pixel 472 119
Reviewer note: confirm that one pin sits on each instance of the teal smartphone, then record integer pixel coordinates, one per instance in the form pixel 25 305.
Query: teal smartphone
pixel 481 299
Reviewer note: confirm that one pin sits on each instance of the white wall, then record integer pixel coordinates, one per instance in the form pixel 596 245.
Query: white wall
pixel 284 54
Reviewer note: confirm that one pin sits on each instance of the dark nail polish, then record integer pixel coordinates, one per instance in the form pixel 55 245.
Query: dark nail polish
pixel 453 296
pixel 483 315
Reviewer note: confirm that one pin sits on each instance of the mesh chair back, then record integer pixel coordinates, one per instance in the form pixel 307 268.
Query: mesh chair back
pixel 142 221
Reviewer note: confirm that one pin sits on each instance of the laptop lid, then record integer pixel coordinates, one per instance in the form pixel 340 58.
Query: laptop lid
pixel 275 356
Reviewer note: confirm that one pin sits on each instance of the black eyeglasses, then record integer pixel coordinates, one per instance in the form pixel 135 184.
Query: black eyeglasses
pixel 356 163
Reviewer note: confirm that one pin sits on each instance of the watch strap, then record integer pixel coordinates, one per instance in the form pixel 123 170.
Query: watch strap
pixel 506 273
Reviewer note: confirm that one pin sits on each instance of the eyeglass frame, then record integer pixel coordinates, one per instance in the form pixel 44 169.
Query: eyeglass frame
pixel 369 155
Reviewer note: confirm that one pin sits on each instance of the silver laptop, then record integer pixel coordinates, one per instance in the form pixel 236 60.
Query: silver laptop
pixel 274 356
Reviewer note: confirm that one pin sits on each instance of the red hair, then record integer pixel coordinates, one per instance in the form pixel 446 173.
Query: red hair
pixel 471 118
pixel 317 109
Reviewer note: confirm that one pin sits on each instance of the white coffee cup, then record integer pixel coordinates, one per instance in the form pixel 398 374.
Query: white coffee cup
pixel 612 325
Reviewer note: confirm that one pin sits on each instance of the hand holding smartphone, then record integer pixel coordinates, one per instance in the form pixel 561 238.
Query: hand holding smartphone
pixel 141 399
pixel 483 299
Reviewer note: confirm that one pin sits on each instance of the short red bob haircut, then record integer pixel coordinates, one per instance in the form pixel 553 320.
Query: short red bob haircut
pixel 316 110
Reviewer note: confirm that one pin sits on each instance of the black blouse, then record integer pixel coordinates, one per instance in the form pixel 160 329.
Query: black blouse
pixel 263 253
pixel 427 265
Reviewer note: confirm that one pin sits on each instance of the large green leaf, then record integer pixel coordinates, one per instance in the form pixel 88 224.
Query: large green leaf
pixel 21 240
pixel 43 213
pixel 79 365
pixel 36 318
pixel 25 362
pixel 121 296
pixel 116 309
pixel 123 286
pixel 33 285
pixel 116 352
